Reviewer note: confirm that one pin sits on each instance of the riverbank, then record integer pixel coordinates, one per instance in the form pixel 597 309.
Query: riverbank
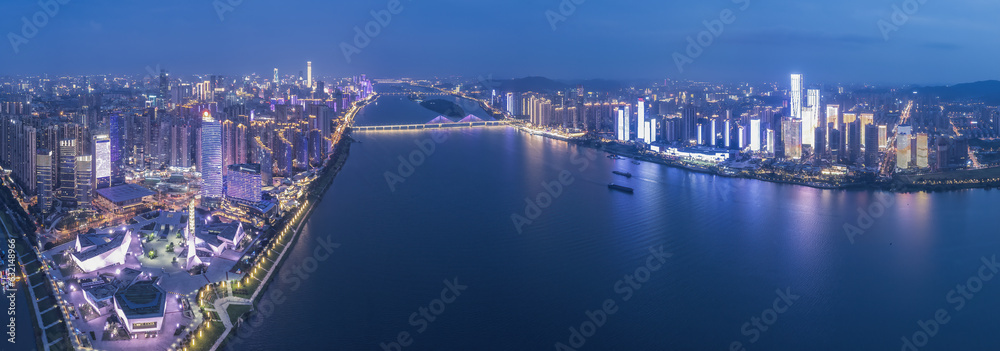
pixel 960 180
pixel 284 242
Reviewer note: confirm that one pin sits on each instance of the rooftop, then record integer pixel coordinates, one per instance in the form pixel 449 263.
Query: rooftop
pixel 124 193
pixel 94 245
pixel 143 299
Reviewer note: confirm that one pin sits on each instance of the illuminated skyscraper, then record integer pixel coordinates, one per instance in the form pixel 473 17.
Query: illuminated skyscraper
pixel 727 138
pixel 755 135
pixel 211 157
pixel 244 182
pixel 791 130
pixel 44 176
pixel 813 98
pixel 510 104
pixel 102 161
pixel 770 141
pixel 228 145
pixel 809 117
pixel 883 141
pixel 796 96
pixel 651 133
pixel 641 124
pixel 67 170
pixel 711 130
pixel 275 76
pixel 922 150
pixel 866 119
pixel 903 147
pixel 117 147
pixel 309 74
pixel 84 184
pixel 623 122
pixel 833 115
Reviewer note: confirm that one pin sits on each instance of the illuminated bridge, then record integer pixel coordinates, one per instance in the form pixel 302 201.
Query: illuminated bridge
pixel 429 126
pixel 416 93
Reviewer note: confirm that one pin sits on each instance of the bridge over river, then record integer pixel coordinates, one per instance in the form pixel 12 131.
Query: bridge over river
pixel 429 126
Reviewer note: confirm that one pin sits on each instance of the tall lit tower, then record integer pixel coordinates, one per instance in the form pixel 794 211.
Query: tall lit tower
pixel 796 96
pixel 309 74
pixel 211 157
pixel 641 125
pixel 903 146
pixel 275 76
pixel 190 231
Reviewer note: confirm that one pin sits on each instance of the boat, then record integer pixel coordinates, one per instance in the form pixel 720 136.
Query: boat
pixel 635 162
pixel 623 174
pixel 623 189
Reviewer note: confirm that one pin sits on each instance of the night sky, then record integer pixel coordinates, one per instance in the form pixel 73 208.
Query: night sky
pixel 944 42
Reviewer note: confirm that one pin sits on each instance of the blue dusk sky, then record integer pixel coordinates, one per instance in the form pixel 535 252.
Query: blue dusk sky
pixel 941 42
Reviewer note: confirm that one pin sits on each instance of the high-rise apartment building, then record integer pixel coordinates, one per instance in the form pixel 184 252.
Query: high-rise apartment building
pixel 796 96
pixel 211 157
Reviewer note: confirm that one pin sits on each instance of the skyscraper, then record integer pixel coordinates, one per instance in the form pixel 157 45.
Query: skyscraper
pixel 275 76
pixel 244 182
pixel 102 161
pixel 809 117
pixel 883 141
pixel 796 96
pixel 211 157
pixel 755 135
pixel 67 170
pixel 641 124
pixel 84 181
pixel 309 74
pixel 871 145
pixel 44 176
pixel 623 122
pixel 791 130
pixel 903 147
pixel 117 146
pixel 922 150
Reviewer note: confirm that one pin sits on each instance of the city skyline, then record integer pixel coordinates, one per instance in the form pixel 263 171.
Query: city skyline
pixel 403 175
pixel 843 43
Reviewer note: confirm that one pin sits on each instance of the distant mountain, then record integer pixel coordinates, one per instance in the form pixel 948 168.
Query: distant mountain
pixel 542 84
pixel 538 84
pixel 986 91
pixel 601 85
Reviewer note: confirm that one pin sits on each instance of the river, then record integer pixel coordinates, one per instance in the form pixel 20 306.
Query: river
pixel 689 261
